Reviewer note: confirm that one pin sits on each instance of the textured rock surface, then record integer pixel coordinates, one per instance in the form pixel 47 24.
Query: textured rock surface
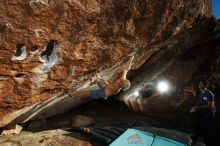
pixel 46 138
pixel 180 64
pixel 48 46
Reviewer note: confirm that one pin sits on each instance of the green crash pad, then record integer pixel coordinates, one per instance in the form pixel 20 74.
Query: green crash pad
pixel 133 137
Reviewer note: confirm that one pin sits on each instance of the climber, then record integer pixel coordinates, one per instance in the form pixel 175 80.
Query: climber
pixel 105 89
pixel 206 111
pixel 206 102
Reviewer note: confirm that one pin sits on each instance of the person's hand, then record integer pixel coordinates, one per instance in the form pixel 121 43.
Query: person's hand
pixel 192 110
pixel 132 58
pixel 196 107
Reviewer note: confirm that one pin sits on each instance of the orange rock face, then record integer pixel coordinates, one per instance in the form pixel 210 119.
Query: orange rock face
pixel 47 46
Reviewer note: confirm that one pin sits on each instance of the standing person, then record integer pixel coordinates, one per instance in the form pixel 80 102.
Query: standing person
pixel 206 111
pixel 106 89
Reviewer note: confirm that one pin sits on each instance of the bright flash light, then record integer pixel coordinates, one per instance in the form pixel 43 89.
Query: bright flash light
pixel 162 87
pixel 136 93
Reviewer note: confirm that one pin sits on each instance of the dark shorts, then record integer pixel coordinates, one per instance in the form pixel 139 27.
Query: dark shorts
pixel 99 93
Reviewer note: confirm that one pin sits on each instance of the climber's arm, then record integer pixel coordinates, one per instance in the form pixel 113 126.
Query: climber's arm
pixel 124 74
